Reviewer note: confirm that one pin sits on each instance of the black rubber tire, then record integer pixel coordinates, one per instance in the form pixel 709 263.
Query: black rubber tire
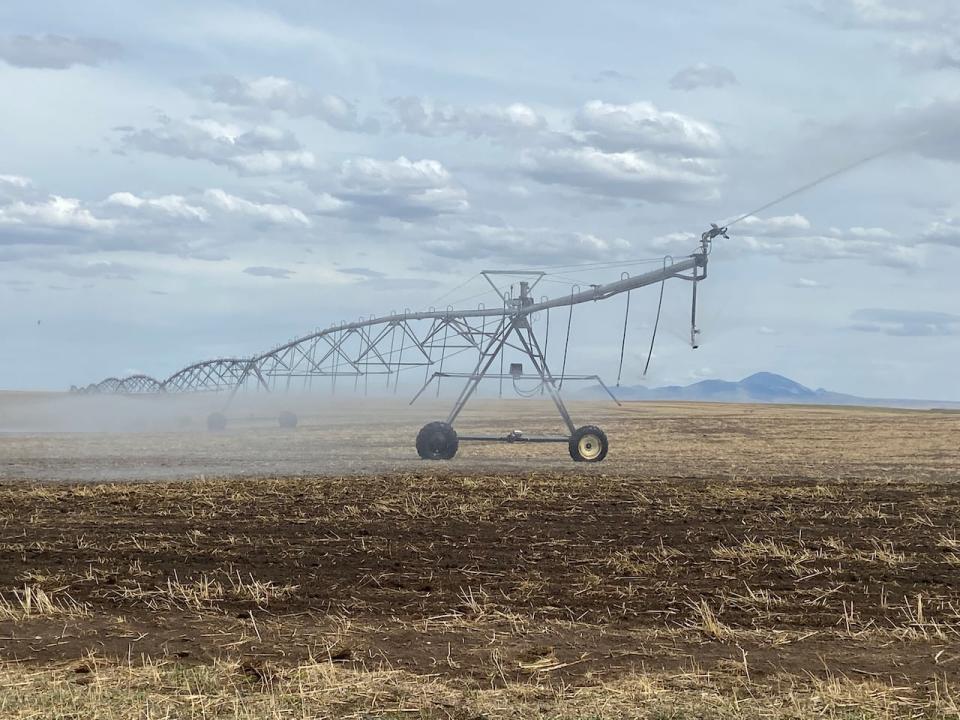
pixel 216 422
pixel 437 441
pixel 598 435
pixel 288 420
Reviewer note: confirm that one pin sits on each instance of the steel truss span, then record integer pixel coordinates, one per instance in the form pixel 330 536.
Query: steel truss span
pixel 377 349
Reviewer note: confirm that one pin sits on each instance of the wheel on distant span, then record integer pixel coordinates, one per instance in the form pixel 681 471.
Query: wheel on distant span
pixel 588 444
pixel 437 441
pixel 216 422
pixel 288 419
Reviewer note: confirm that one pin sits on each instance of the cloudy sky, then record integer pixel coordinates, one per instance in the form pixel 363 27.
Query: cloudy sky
pixel 185 180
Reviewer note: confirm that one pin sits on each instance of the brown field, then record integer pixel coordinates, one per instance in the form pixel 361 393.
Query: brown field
pixel 725 561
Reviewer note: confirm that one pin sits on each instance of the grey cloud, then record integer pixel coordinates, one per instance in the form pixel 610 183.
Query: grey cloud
pixel 643 176
pixel 269 272
pixel 56 51
pixel 942 232
pixel 778 226
pixel 259 150
pixel 400 188
pixel 16 186
pixel 362 272
pixel 642 126
pixel 281 94
pixel 930 129
pixel 930 53
pixel 199 251
pixel 702 75
pixel 927 129
pixel 394 285
pixel 896 15
pixel 104 270
pixel 422 117
pixel 612 76
pixel 10 252
pixel 533 245
pixel 924 35
pixel 808 284
pixel 908 323
pixel 876 246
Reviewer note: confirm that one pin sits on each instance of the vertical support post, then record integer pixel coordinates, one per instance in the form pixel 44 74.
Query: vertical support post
pixel 546 343
pixel 494 347
pixel 338 338
pixel 483 336
pixel 428 338
pixel 393 337
pixel 446 329
pixel 540 365
pixel 501 376
pixel 403 345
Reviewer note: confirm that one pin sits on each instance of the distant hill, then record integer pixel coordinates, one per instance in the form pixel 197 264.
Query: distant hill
pixel 761 387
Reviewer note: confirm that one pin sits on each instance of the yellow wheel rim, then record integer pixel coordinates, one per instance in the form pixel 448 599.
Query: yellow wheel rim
pixel 589 447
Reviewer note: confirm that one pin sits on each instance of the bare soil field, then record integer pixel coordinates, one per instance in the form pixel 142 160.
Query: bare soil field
pixel 725 561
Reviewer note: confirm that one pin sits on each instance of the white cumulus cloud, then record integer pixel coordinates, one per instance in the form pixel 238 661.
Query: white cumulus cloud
pixel 535 245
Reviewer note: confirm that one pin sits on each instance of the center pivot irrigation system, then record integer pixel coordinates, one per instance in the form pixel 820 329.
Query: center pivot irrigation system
pixel 387 345
pixel 514 329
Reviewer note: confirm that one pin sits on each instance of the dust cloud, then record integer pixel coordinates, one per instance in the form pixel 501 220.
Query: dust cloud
pixel 77 437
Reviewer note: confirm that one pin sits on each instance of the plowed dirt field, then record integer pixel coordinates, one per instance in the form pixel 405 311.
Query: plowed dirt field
pixel 725 560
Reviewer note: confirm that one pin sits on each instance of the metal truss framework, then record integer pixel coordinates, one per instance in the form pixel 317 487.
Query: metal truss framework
pixel 377 349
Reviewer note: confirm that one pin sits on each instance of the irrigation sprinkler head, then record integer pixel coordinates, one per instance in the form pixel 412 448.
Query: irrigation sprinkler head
pixel 715 231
